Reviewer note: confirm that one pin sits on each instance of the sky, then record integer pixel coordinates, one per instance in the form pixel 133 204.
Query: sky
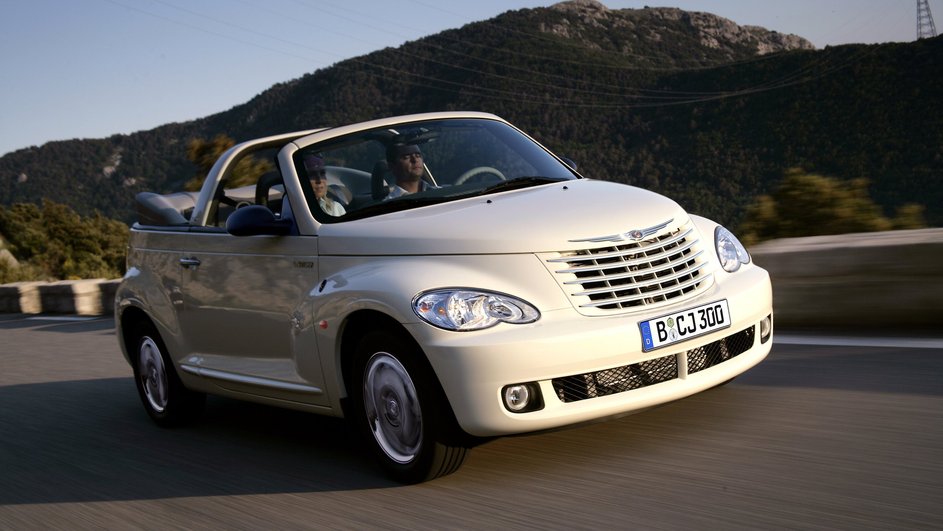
pixel 94 68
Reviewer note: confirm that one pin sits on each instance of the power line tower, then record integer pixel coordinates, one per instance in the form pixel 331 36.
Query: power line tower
pixel 925 27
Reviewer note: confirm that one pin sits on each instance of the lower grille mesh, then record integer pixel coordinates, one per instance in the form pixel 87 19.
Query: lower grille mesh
pixel 720 351
pixel 628 377
pixel 618 380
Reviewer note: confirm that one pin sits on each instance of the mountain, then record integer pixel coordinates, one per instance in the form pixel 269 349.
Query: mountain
pixel 688 104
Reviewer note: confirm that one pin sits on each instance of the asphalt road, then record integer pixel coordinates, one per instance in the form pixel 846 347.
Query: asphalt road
pixel 815 437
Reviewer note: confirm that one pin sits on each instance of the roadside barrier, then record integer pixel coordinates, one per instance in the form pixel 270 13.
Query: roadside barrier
pixel 874 280
pixel 75 297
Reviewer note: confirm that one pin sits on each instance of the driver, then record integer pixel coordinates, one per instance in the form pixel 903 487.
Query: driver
pixel 407 166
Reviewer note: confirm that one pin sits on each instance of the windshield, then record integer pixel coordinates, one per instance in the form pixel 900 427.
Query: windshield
pixel 417 164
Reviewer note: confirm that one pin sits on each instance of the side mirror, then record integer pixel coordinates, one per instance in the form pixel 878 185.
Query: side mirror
pixel 569 162
pixel 255 220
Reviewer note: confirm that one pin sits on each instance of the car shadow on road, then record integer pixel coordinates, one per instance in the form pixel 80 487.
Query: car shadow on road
pixel 84 441
pixel 90 440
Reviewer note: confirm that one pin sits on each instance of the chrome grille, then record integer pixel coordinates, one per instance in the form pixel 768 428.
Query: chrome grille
pixel 665 267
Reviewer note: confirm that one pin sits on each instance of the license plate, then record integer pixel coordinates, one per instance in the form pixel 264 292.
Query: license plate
pixel 680 326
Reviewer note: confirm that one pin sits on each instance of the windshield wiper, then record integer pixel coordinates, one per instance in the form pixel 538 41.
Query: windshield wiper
pixel 520 182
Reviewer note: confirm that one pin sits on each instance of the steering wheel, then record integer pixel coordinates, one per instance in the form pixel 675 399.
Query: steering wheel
pixel 477 171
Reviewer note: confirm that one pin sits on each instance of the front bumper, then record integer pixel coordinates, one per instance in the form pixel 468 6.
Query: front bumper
pixel 588 368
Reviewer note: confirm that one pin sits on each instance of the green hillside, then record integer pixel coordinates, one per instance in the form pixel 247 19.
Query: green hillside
pixel 681 103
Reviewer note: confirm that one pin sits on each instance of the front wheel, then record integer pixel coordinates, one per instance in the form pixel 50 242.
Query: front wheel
pixel 404 415
pixel 165 398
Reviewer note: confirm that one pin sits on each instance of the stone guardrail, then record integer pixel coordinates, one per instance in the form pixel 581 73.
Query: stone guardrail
pixel 73 297
pixel 886 279
pixel 873 280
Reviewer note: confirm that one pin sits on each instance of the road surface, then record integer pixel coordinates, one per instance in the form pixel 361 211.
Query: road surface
pixel 843 435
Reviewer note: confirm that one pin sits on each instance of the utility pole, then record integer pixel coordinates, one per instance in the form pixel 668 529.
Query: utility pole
pixel 925 27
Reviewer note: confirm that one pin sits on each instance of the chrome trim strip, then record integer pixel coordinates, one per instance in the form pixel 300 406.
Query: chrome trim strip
pixel 634 250
pixel 708 280
pixel 647 259
pixel 251 380
pixel 624 237
pixel 660 281
pixel 640 272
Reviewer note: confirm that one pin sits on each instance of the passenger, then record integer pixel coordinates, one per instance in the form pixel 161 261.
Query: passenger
pixel 315 167
pixel 406 165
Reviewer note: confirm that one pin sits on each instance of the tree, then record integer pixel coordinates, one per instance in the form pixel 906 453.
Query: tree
pixel 54 242
pixel 811 205
pixel 204 153
pixel 910 216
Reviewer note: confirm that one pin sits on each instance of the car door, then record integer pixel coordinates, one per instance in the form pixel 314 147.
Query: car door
pixel 241 317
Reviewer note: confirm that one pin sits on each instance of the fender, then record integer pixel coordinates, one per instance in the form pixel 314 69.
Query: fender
pixel 352 284
pixel 136 291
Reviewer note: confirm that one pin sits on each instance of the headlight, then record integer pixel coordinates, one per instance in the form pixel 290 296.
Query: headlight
pixel 463 309
pixel 730 251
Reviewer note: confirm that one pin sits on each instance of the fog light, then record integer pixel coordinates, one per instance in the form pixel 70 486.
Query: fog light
pixel 766 328
pixel 516 397
pixel 522 398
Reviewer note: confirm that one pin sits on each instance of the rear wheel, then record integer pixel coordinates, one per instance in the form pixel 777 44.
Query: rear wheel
pixel 402 412
pixel 165 398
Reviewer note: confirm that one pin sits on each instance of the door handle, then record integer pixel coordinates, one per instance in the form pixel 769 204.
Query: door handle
pixel 188 262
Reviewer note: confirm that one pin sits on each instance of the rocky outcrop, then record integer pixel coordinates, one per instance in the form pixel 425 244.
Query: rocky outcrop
pixel 7 260
pixel 661 24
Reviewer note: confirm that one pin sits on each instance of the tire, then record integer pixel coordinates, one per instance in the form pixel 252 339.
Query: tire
pixel 401 411
pixel 165 398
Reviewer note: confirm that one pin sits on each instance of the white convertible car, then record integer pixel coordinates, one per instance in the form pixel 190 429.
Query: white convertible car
pixel 437 279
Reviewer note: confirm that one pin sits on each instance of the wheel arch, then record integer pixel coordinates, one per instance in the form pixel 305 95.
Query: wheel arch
pixel 129 320
pixel 356 327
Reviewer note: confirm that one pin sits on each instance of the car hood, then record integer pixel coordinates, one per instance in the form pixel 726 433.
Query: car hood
pixel 554 217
